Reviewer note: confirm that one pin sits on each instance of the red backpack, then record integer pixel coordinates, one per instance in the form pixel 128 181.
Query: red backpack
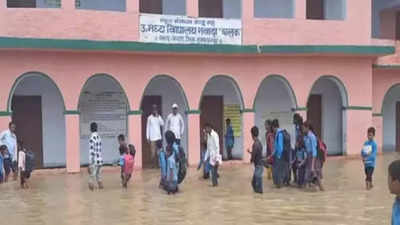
pixel 129 163
pixel 322 151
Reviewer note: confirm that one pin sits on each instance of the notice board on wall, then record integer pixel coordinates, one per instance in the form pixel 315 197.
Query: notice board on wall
pixel 233 112
pixel 108 109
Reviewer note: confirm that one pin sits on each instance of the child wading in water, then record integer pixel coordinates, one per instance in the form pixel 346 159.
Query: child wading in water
pixel 128 164
pixel 171 185
pixel 3 149
pixel 368 154
pixel 394 188
pixel 270 139
pixel 256 158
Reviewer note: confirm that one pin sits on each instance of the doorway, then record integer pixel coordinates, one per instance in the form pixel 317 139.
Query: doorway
pixel 314 113
pixel 27 115
pixel 212 112
pixel 146 107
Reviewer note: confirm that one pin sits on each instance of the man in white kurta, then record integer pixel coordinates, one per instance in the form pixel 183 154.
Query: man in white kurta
pixel 213 153
pixel 153 133
pixel 175 124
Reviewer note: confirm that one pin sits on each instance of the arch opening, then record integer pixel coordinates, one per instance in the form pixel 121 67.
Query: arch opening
pixel 391 119
pixel 163 91
pixel 326 111
pixel 275 99
pixel 102 100
pixel 37 107
pixel 222 99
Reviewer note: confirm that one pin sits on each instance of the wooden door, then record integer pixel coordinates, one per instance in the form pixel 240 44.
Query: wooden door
pixel 27 115
pixel 151 6
pixel 212 111
pixel 314 113
pixel 211 8
pixel 315 9
pixel 147 108
pixel 398 126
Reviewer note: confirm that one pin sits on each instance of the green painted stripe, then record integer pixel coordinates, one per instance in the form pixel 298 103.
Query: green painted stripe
pixel 342 49
pixel 377 114
pixel 136 112
pixel 9 42
pixel 132 46
pixel 5 113
pixel 71 112
pixel 301 109
pixel 366 108
pixel 247 110
pixel 193 112
pixel 387 67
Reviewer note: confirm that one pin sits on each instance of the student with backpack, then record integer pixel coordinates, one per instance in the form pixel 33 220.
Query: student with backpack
pixel 171 181
pixel 25 165
pixel 280 155
pixel 313 174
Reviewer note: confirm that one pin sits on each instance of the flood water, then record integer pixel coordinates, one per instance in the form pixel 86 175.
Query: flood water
pixel 65 199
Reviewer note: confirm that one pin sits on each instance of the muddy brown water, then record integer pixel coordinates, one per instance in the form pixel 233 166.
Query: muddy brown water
pixel 65 199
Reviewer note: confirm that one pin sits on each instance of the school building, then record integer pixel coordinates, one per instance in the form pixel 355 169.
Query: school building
pixel 67 63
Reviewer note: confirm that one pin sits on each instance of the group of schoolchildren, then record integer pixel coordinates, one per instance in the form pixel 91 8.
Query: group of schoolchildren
pixel 14 158
pixel 303 163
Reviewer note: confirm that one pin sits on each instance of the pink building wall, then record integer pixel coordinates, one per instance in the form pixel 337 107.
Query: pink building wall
pixel 124 26
pixel 70 71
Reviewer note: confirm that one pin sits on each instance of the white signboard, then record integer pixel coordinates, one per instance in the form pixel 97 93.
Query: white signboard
pixel 108 110
pixel 187 30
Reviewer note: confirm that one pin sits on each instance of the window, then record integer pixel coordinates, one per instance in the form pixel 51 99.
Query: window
pixel 167 7
pixel 274 8
pixel 33 3
pixel 220 8
pixel 326 9
pixel 111 5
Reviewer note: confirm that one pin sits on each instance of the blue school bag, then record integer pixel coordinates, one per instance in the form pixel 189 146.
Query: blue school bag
pixel 163 164
pixel 29 161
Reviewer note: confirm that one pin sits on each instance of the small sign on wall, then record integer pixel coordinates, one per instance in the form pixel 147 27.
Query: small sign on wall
pixel 169 29
pixel 233 113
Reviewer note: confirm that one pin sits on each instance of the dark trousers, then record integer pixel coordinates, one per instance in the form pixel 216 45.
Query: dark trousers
pixel 279 171
pixel 257 182
pixel 214 175
pixel 229 151
pixel 368 173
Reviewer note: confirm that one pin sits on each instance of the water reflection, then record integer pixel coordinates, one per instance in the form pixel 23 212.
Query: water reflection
pixel 65 199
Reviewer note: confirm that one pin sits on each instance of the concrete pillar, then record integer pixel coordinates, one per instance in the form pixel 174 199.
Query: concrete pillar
pixel 248 123
pixel 72 142
pixel 68 4
pixel 377 121
pixel 300 9
pixel 135 135
pixel 193 138
pixel 132 6
pixel 3 4
pixel 192 8
pixel 358 122
pixel 247 10
pixel 4 121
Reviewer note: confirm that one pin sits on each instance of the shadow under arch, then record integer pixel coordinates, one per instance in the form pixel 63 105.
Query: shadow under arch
pixel 31 74
pixel 174 80
pixel 235 86
pixel 283 79
pixel 340 85
pixel 107 76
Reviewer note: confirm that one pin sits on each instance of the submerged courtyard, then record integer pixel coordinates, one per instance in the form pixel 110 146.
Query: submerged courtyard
pixel 57 198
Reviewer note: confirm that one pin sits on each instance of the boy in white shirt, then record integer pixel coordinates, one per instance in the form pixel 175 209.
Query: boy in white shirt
pixel 213 153
pixel 21 166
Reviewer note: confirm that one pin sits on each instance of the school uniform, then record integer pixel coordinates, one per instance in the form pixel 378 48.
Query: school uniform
pixel 279 169
pixel 368 154
pixel 213 155
pixel 229 141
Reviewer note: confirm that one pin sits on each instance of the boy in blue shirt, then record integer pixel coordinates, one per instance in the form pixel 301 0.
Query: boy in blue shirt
pixel 394 187
pixel 368 154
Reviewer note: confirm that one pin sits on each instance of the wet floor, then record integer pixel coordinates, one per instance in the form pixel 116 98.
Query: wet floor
pixel 65 199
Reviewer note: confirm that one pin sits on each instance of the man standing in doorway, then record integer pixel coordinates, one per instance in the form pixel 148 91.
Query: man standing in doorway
pixel 9 139
pixel 213 153
pixel 175 124
pixel 153 133
pixel 229 138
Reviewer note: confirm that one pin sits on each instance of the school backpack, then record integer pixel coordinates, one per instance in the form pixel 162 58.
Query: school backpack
pixel 182 163
pixel 129 163
pixel 287 148
pixel 29 161
pixel 322 151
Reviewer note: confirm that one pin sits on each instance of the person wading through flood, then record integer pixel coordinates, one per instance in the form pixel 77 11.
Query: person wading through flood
pixel 313 173
pixel 279 170
pixel 298 126
pixel 256 158
pixel 213 153
pixel 154 134
pixel 9 139
pixel 175 124
pixel 270 139
pixel 229 139
pixel 95 158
